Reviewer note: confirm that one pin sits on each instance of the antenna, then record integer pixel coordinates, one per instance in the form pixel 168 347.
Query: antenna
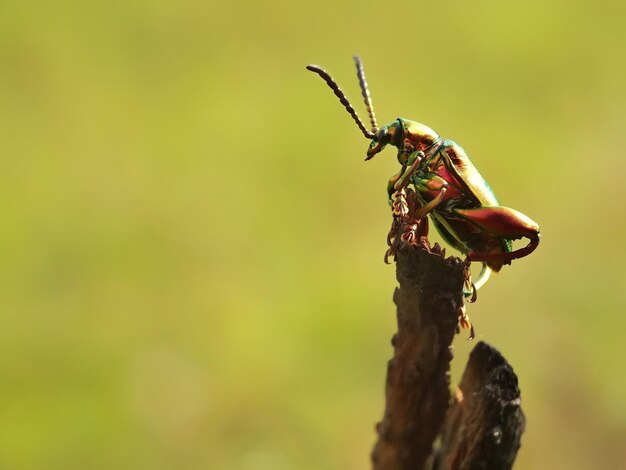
pixel 366 93
pixel 342 98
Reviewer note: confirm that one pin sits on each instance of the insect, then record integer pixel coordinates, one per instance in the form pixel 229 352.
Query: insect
pixel 437 178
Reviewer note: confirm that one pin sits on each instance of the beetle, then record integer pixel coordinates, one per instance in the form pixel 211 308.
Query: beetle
pixel 447 186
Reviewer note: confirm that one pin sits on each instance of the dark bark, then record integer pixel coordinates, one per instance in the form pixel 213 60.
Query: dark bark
pixel 482 430
pixel 484 426
pixel 418 381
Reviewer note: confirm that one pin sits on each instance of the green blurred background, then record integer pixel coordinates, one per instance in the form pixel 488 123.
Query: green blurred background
pixel 191 244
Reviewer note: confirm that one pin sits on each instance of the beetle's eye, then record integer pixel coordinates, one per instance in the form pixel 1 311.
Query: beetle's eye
pixel 383 136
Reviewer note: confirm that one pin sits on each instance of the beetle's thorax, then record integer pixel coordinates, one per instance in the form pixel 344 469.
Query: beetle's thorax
pixel 400 132
pixel 421 137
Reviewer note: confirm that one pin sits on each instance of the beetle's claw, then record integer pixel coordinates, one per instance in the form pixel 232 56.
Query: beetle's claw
pixel 406 228
pixel 469 292
pixel 465 323
pixel 390 252
pixel 393 231
pixel 469 289
pixel 409 234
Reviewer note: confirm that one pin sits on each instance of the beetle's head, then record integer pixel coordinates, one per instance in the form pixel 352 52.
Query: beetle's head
pixel 389 134
pixel 418 136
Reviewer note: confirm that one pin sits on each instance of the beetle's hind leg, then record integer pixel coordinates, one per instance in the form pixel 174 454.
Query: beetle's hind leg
pixel 465 323
pixel 469 295
pixel 470 287
pixel 483 277
pixel 505 223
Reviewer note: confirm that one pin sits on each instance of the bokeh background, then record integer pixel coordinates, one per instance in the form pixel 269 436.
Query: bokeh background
pixel 191 245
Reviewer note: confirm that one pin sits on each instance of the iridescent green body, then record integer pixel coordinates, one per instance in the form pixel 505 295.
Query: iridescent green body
pixel 448 187
pixel 468 215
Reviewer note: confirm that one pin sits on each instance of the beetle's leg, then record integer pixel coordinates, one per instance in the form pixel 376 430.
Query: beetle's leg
pixel 392 182
pixel 506 223
pixel 469 289
pixel 399 204
pixel 397 183
pixel 406 228
pixel 392 239
pixel 393 231
pixel 469 294
pixel 397 198
pixel 405 152
pixel 464 321
pixel 391 251
pixel 483 277
pixel 414 229
pixel 400 211
pixel 425 209
pixel 430 183
pixel 410 224
pixel 416 232
pixel 414 161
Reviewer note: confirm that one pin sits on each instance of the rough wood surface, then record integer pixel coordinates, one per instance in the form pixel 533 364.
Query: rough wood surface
pixel 483 427
pixel 418 382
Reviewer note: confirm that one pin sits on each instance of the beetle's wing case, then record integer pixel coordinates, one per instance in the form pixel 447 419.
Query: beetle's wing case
pixel 460 165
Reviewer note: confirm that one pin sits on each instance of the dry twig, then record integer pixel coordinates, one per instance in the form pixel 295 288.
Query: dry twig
pixel 481 431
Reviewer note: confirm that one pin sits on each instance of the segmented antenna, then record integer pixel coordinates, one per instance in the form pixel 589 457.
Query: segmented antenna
pixel 342 98
pixel 366 93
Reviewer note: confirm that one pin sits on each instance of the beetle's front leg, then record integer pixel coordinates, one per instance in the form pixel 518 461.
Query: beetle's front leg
pixel 406 228
pixel 397 183
pixel 399 209
pixel 399 180
pixel 397 198
pixel 415 228
pixel 410 223
pixel 413 162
